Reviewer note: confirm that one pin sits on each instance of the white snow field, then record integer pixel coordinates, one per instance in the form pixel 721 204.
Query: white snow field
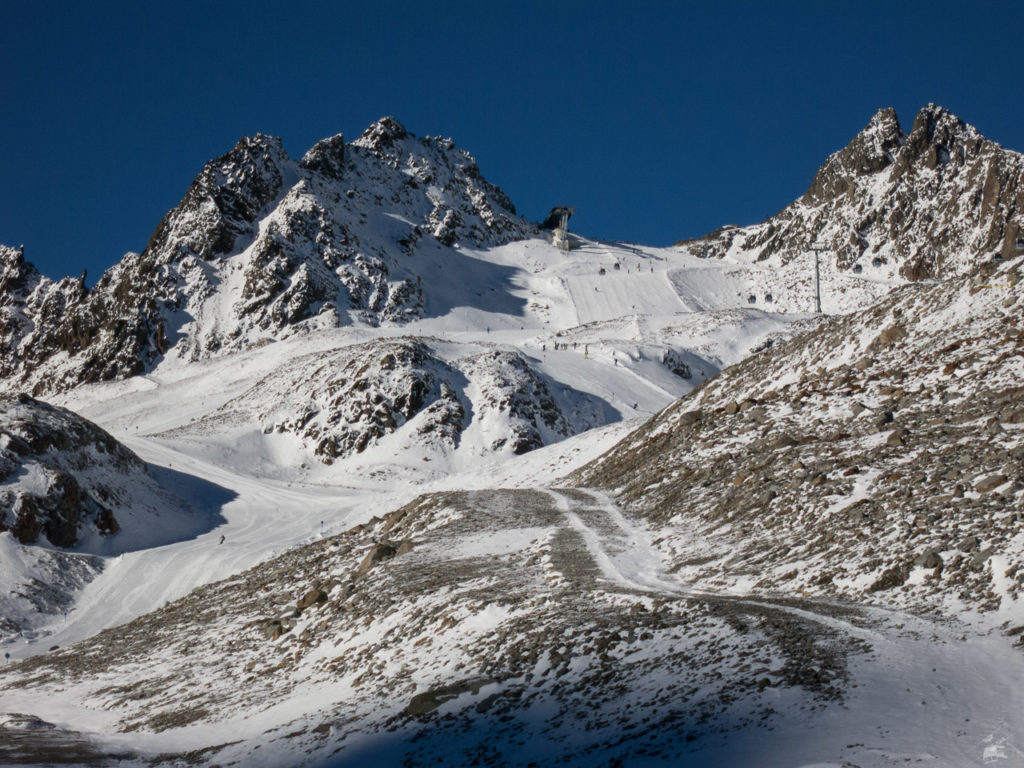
pixel 928 694
pixel 282 496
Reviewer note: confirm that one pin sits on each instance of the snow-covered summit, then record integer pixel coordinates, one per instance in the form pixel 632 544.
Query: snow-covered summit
pixel 261 247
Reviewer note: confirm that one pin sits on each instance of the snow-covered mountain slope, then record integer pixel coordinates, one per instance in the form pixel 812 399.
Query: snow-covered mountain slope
pixel 260 247
pixel 560 348
pixel 891 206
pixel 510 627
pixel 879 459
pixel 551 357
pixel 392 580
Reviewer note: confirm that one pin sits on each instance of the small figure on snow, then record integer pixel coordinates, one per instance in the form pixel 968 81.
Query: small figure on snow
pixel 221 539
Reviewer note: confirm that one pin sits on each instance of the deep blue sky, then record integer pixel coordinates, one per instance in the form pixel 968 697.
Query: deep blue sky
pixel 657 120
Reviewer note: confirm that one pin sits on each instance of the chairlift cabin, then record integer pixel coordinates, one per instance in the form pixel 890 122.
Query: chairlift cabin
pixel 857 269
pixel 1019 243
pixel 617 265
pixel 768 298
pixel 751 299
pixel 997 257
pixel 876 262
pixel 602 271
pixel 558 222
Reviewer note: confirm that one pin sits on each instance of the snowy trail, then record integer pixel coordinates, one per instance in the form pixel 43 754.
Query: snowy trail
pixel 960 692
pixel 622 551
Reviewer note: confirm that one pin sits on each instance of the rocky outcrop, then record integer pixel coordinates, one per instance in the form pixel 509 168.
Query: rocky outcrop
pixel 511 389
pixel 41 447
pixel 402 394
pixel 67 481
pixel 934 202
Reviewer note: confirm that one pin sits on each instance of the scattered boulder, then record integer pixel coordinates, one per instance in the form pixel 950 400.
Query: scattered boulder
pixel 897 438
pixel 690 418
pixel 429 700
pixel 783 440
pixel 889 337
pixel 928 559
pixel 884 419
pixel 890 577
pixel 315 596
pixel 756 414
pixel 979 559
pixel 1011 415
pixel 969 544
pixel 379 552
pixel 986 484
pixel 272 629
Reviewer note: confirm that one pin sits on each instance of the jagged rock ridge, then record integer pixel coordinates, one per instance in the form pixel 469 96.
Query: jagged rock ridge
pixel 260 247
pixel 934 202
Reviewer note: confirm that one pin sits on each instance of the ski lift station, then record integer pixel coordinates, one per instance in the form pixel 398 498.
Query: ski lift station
pixel 558 222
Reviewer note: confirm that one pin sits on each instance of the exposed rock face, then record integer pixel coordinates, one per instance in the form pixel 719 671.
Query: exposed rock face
pixel 260 247
pixel 512 388
pixel 43 452
pixel 879 445
pixel 403 394
pixel 362 395
pixel 67 481
pixel 935 202
pixel 223 202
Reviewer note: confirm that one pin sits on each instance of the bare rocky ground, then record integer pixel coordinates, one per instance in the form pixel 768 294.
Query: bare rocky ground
pixel 521 626
pixel 877 459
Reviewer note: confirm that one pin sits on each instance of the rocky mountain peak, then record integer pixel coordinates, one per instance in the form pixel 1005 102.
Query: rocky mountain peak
pixel 939 137
pixel 382 134
pixel 936 202
pixel 259 248
pixel 327 156
pixel 224 201
pixel 869 152
pixel 15 273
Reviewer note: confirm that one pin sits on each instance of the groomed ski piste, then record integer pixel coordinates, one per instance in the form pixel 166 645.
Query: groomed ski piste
pixel 597 321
